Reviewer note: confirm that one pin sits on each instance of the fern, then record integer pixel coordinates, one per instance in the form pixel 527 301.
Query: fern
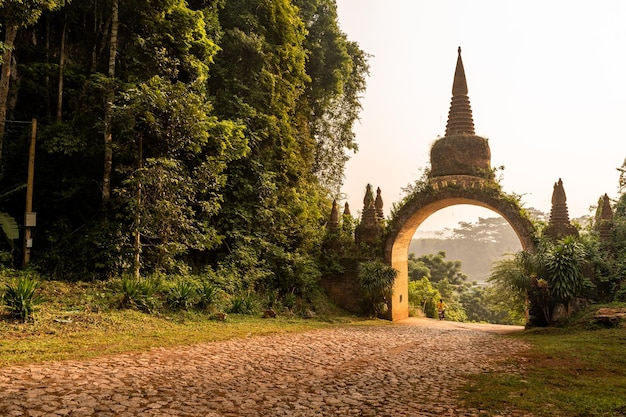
pixel 9 226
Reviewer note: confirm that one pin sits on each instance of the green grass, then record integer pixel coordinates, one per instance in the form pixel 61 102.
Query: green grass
pixel 80 320
pixel 574 371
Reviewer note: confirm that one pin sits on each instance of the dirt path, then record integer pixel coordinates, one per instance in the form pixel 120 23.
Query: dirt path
pixel 408 369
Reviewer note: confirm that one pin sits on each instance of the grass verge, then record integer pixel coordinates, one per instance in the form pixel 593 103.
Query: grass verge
pixel 77 322
pixel 576 371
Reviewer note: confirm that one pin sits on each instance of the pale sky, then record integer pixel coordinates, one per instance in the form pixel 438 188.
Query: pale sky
pixel 547 86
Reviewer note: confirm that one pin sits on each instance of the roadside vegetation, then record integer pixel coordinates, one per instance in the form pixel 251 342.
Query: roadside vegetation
pixel 81 320
pixel 578 370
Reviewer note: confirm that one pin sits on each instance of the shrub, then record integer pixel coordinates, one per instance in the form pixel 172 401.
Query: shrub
pixel 376 279
pixel 243 304
pixel 21 297
pixel 290 300
pixel 181 294
pixel 140 293
pixel 208 295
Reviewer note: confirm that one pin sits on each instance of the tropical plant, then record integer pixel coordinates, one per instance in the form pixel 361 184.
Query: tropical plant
pixel 208 295
pixel 140 293
pixel 20 298
pixel 511 282
pixel 376 280
pixel 243 303
pixel 563 265
pixel 181 294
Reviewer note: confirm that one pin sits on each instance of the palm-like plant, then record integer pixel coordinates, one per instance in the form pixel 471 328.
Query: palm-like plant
pixel 21 297
pixel 563 264
pixel 376 279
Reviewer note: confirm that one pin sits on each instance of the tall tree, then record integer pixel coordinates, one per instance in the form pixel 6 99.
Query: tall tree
pixel 440 269
pixel 16 14
pixel 272 203
pixel 186 151
pixel 108 105
pixel 330 105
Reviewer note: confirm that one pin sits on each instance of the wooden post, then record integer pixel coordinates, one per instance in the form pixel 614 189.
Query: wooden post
pixel 29 217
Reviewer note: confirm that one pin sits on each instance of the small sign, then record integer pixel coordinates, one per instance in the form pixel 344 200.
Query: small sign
pixel 30 219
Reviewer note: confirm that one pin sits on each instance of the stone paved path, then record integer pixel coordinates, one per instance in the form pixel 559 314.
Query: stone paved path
pixel 409 369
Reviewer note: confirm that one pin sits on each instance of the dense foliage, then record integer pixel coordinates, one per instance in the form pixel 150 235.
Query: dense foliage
pixel 542 288
pixel 179 136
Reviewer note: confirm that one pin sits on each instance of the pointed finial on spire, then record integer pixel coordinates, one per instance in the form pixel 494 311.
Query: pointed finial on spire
pixel 460 120
pixel 334 216
pixel 346 210
pixel 378 205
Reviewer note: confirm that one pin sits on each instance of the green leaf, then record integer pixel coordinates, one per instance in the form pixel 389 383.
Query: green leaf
pixel 9 226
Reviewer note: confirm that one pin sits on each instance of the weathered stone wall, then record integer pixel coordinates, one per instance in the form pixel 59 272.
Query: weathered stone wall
pixel 344 288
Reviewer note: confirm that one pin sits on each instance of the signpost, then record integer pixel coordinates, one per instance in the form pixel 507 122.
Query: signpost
pixel 30 218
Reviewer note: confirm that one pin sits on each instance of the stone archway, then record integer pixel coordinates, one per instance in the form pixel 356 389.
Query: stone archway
pixel 460 173
pixel 441 193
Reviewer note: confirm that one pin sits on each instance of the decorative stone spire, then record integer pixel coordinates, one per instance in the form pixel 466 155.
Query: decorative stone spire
pixel 559 225
pixel 368 198
pixel 460 152
pixel 378 205
pixel 604 217
pixel 368 229
pixel 460 120
pixel 368 217
pixel 334 217
pixel 346 210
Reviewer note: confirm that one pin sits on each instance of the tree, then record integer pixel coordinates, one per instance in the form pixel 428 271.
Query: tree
pixel 422 295
pixel 108 105
pixel 273 204
pixel 441 269
pixel 16 14
pixel 417 269
pixel 181 155
pixel 511 282
pixel 330 104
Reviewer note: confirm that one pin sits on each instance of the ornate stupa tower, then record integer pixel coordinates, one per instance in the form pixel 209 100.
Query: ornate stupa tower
pixel 460 153
pixel 370 226
pixel 604 218
pixel 559 225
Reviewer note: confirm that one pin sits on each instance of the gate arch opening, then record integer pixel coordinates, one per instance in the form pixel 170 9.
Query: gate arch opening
pixel 421 206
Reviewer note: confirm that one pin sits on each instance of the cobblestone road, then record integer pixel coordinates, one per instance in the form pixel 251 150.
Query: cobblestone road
pixel 409 369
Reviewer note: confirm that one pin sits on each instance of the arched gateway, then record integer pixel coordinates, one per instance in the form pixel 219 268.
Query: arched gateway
pixel 460 173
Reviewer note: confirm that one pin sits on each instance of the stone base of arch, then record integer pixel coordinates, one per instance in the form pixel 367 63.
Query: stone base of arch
pixel 444 192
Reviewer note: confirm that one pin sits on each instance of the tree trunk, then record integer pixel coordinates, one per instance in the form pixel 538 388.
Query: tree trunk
pixel 61 68
pixel 138 211
pixel 108 108
pixel 5 75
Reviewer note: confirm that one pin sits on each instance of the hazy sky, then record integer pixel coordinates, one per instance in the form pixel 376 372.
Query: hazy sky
pixel 547 86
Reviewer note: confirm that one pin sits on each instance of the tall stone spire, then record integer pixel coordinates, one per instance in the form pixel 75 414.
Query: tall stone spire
pixel 604 218
pixel 334 217
pixel 460 120
pixel 368 229
pixel 460 151
pixel 378 205
pixel 559 225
